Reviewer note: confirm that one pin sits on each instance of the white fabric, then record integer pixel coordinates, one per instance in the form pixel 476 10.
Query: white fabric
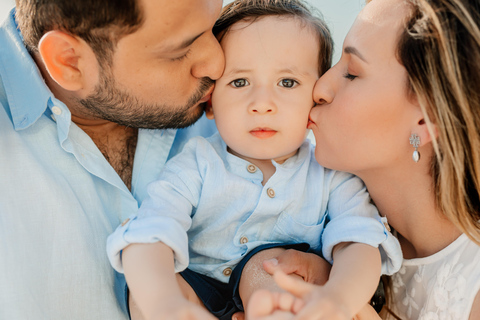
pixel 441 286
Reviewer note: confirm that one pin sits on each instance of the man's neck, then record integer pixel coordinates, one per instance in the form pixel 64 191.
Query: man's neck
pixel 117 144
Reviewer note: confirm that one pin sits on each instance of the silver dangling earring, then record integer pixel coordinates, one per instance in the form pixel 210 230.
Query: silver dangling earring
pixel 415 142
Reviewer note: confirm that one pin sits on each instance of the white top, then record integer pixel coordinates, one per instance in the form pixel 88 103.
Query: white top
pixel 441 286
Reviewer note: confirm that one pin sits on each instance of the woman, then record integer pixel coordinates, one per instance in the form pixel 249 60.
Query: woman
pixel 401 109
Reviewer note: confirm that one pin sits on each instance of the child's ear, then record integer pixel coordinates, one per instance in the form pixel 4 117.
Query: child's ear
pixel 66 58
pixel 209 110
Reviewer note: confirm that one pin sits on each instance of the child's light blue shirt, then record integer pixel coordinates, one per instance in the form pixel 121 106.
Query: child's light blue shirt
pixel 211 208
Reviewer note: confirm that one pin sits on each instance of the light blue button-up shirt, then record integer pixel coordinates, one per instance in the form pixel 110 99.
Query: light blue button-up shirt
pixel 211 208
pixel 60 198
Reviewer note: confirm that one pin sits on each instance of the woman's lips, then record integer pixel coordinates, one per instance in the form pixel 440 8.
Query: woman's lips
pixel 310 122
pixel 263 133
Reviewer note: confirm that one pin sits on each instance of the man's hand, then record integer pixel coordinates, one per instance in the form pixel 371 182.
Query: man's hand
pixel 309 266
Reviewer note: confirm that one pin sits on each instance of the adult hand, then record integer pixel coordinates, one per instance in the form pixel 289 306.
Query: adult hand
pixel 309 266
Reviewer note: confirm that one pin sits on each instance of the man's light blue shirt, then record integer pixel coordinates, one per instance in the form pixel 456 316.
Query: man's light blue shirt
pixel 211 208
pixel 60 198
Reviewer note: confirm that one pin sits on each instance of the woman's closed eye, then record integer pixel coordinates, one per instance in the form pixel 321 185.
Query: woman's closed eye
pixel 349 76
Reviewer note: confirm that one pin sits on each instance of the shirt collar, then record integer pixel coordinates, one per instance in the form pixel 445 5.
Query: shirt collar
pixel 25 88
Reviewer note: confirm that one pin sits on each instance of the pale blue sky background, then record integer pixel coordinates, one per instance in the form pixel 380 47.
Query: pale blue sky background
pixel 339 15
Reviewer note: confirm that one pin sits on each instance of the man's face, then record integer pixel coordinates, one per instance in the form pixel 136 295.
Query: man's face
pixel 162 74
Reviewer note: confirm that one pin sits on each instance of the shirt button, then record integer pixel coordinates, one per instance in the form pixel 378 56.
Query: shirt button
pixel 125 222
pixel 227 272
pixel 271 193
pixel 251 168
pixel 243 240
pixel 56 110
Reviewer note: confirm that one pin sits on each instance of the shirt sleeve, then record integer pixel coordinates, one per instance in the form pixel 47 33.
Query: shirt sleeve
pixel 353 218
pixel 165 214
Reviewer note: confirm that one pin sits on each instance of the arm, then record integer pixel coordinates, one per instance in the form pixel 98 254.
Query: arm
pixel 150 274
pixel 354 276
pixel 475 312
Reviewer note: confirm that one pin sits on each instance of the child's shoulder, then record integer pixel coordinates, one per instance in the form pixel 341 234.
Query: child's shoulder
pixel 203 148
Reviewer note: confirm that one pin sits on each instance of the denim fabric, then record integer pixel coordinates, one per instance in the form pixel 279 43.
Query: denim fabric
pixel 60 198
pixel 211 210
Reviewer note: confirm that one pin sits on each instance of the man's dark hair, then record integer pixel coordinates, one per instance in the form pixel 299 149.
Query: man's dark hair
pixel 100 23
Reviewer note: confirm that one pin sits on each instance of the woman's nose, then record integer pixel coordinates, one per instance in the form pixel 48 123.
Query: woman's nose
pixel 323 91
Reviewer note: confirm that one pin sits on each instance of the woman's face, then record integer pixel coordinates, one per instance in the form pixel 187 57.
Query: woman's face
pixel 364 117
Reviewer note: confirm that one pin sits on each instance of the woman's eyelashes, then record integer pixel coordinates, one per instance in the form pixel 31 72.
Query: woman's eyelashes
pixel 349 76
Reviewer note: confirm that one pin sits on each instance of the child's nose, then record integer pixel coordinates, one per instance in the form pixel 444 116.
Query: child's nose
pixel 262 103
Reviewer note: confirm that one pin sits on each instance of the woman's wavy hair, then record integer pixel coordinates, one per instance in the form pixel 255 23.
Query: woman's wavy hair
pixel 251 10
pixel 440 49
pixel 100 23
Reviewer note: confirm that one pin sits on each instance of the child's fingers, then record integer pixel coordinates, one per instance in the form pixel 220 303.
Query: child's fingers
pixel 295 286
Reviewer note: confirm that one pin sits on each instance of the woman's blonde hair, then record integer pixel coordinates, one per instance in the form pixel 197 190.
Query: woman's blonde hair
pixel 440 49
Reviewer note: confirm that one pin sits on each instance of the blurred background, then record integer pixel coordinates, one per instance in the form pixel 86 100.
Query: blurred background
pixel 339 15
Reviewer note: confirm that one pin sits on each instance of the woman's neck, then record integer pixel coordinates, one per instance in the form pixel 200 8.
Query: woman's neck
pixel 406 197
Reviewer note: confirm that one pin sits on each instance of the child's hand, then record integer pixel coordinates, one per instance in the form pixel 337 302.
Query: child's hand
pixel 318 303
pixel 268 305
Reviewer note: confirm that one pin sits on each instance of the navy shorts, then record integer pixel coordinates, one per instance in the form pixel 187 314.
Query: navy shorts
pixel 223 299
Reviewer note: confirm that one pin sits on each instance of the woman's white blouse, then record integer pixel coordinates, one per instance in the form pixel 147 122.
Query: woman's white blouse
pixel 441 286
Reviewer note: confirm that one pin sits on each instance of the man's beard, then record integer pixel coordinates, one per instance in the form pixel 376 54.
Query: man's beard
pixel 113 104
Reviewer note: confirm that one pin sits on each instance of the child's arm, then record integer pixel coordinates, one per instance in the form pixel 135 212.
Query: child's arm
pixel 150 274
pixel 354 277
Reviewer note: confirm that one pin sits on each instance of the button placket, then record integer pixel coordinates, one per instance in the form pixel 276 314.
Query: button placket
pixel 251 168
pixel 271 193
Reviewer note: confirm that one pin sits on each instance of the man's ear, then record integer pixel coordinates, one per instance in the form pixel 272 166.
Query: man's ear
pixel 209 110
pixel 66 59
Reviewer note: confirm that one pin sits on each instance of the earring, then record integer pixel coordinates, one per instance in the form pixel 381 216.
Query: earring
pixel 415 142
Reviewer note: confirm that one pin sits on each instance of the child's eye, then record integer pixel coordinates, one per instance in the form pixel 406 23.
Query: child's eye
pixel 287 83
pixel 238 83
pixel 349 76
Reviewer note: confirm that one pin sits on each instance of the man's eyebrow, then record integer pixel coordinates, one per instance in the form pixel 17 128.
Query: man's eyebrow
pixel 354 51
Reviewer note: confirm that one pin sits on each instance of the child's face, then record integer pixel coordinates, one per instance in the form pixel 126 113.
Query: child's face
pixel 262 102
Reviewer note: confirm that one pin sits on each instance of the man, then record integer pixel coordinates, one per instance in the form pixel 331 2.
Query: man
pixel 80 81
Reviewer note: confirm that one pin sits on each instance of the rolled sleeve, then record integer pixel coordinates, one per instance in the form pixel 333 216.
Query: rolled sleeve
pixel 354 219
pixel 149 229
pixel 164 216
